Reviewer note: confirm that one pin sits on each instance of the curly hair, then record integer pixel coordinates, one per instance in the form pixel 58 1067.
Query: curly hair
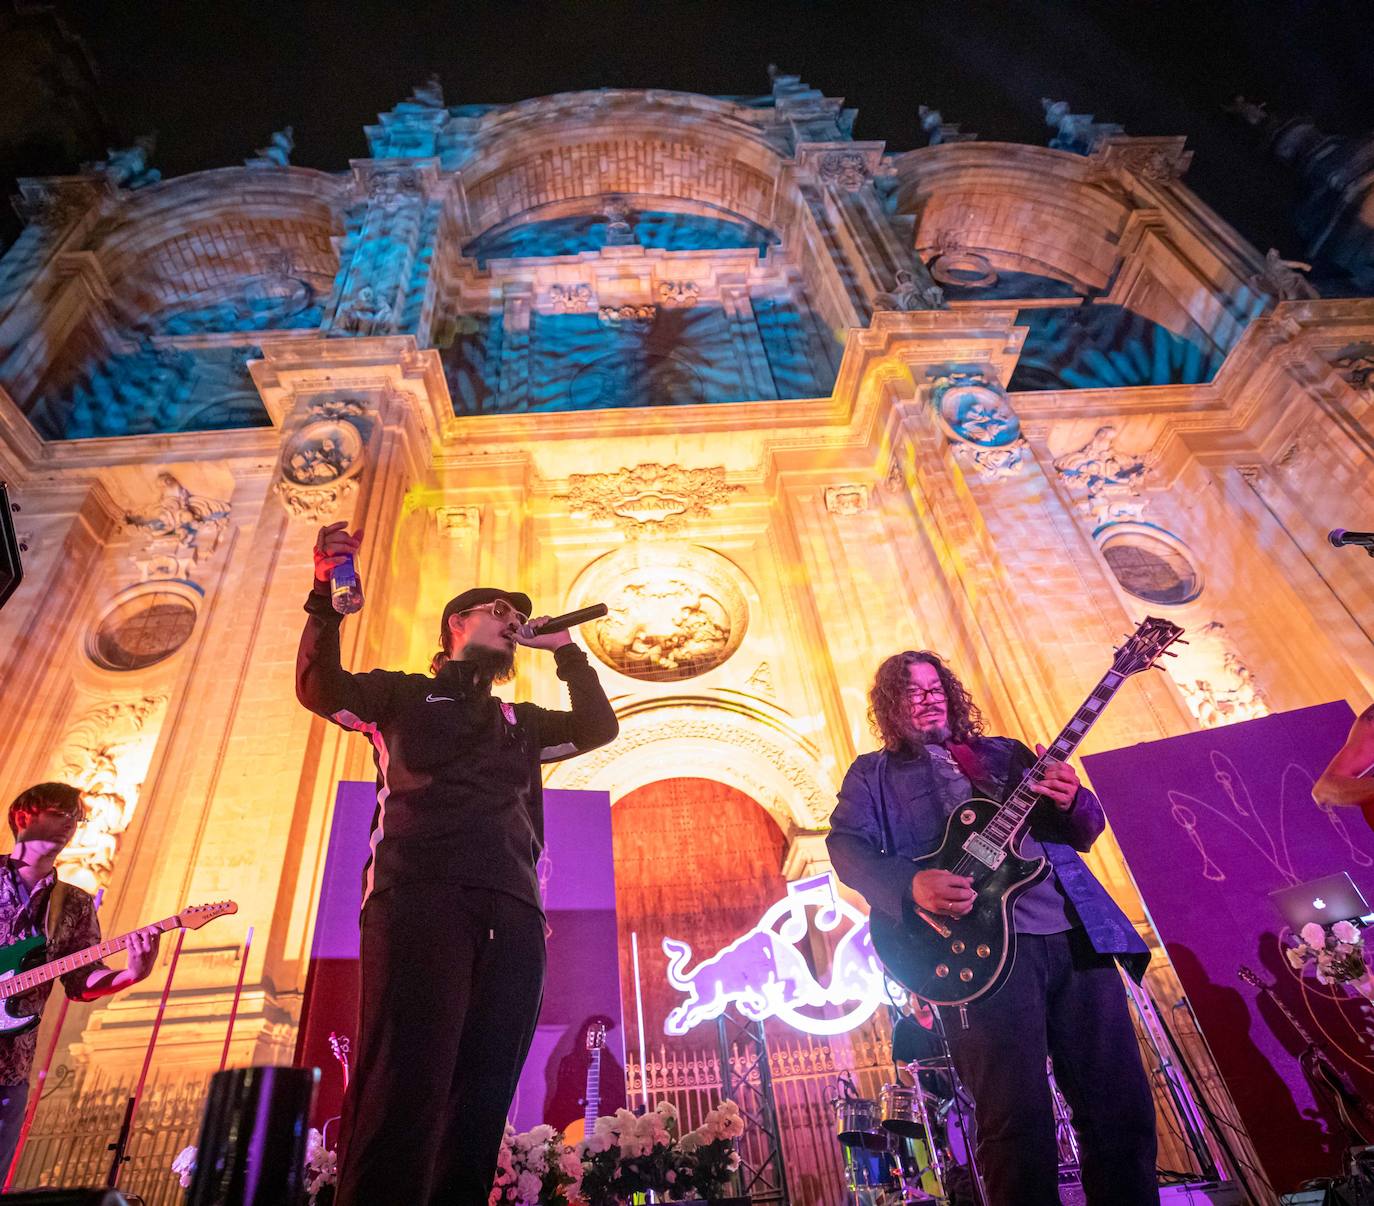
pixel 889 709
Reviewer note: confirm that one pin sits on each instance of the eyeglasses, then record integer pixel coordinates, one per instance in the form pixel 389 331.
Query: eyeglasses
pixel 501 611
pixel 921 695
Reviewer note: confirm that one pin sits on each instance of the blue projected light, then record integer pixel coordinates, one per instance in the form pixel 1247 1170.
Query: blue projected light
pixel 1107 347
pixel 157 389
pixel 590 232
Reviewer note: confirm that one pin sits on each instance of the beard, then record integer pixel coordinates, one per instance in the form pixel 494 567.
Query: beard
pixel 494 665
pixel 937 734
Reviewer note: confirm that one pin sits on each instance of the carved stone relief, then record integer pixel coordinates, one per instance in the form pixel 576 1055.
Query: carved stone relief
pixel 678 293
pixel 571 299
pixel 649 500
pixel 319 466
pixel 908 294
pixel 848 170
pixel 980 424
pixel 850 499
pixel 106 753
pixel 745 746
pixel 676 611
pixel 1217 685
pixel 993 464
pixel 1104 482
pixel 627 318
pixel 179 530
pixel 458 523
pixel 1356 366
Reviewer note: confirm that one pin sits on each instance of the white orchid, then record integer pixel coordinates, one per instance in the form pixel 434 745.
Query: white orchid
pixel 185 1165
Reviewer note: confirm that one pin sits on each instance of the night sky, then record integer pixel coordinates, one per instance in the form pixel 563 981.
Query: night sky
pixel 213 79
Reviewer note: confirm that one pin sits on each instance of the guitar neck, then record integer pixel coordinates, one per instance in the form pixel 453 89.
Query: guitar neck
pixel 593 1091
pixel 1012 815
pixel 35 977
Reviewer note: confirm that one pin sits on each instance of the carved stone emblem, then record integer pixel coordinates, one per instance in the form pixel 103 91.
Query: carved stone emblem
pixel 678 293
pixel 318 468
pixel 676 611
pixel 850 499
pixel 848 170
pixel 179 530
pixel 1103 481
pixel 974 411
pixel 571 299
pixel 993 464
pixel 458 523
pixel 649 500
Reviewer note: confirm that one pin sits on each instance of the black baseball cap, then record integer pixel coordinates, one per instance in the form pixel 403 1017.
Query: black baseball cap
pixel 475 597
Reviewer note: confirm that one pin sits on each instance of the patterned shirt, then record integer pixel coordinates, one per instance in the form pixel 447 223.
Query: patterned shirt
pixel 22 915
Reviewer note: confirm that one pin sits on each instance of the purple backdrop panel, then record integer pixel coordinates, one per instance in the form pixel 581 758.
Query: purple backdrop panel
pixel 341 892
pixel 1210 824
pixel 583 979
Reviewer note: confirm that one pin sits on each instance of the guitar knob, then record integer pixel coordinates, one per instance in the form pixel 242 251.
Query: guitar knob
pixel 984 950
pixel 942 970
pixel 957 947
pixel 966 975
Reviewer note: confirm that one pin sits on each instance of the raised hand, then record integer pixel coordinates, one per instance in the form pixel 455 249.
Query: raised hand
pixel 332 545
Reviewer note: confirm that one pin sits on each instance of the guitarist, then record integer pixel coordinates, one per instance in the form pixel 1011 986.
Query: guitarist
pixel 1064 997
pixel 43 820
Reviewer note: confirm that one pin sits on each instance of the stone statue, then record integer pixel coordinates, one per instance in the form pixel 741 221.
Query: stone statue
pixel 1282 279
pixel 908 294
pixel 937 130
pixel 180 518
pixel 277 152
pixel 127 167
pixel 1075 132
pixel 430 94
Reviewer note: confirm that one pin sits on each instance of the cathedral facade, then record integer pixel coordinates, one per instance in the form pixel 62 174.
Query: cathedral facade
pixel 786 402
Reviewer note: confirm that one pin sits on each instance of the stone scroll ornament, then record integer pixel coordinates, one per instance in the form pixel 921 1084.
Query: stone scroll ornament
pixel 319 468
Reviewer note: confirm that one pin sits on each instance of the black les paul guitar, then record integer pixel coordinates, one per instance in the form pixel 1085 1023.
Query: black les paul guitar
pixel 954 960
pixel 1330 1087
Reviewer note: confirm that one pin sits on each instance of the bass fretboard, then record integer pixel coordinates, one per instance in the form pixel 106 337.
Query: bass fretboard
pixel 34 977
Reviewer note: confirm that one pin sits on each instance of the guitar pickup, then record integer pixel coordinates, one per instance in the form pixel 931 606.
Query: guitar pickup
pixel 986 852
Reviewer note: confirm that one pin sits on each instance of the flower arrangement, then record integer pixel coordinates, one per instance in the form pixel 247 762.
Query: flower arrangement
pixel 629 1154
pixel 321 1175
pixel 536 1168
pixel 706 1157
pixel 1337 954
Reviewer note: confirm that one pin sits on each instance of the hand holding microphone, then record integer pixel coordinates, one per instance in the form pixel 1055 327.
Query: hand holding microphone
pixel 549 632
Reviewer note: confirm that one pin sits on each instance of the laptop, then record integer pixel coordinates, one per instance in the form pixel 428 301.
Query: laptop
pixel 1326 901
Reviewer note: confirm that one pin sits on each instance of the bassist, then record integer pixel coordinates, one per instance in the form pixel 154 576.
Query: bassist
pixel 43 820
pixel 1063 998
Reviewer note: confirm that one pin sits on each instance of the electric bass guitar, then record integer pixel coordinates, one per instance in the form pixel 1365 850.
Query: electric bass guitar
pixel 22 969
pixel 1329 1086
pixel 579 1128
pixel 954 960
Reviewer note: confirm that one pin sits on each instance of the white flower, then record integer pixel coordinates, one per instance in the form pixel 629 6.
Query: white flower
pixel 733 1162
pixel 666 1109
pixel 185 1165
pixel 541 1134
pixel 1345 932
pixel 569 1164
pixel 528 1187
pixel 1296 958
pixel 1314 935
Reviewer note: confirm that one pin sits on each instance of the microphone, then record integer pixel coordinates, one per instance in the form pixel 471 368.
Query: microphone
pixel 569 619
pixel 1339 536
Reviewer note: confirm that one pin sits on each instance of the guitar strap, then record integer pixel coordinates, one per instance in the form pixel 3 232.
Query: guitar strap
pixel 967 762
pixel 52 915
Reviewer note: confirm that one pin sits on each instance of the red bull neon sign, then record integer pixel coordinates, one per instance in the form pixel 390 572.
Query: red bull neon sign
pixel 764 975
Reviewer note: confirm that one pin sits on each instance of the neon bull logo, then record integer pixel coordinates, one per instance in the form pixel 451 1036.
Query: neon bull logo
pixel 763 974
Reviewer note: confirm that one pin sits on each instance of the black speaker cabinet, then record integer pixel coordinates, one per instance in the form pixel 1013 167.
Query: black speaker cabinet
pixel 11 571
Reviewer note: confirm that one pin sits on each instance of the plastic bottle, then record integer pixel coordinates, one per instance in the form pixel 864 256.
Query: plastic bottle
pixel 345 590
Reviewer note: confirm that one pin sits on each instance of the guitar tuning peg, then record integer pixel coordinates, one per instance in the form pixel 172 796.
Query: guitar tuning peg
pixel 1170 653
pixel 1181 641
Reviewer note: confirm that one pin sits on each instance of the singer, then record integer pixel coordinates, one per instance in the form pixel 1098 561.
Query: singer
pixel 452 947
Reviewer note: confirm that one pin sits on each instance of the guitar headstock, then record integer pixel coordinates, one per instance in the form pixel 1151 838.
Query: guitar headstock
pixel 1146 646
pixel 596 1035
pixel 1249 977
pixel 197 915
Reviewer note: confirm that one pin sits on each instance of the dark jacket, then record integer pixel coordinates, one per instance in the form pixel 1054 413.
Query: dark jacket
pixel 459 792
pixel 874 837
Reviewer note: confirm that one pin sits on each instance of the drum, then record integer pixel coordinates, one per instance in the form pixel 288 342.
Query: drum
pixel 900 1113
pixel 857 1125
pixel 959 1132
